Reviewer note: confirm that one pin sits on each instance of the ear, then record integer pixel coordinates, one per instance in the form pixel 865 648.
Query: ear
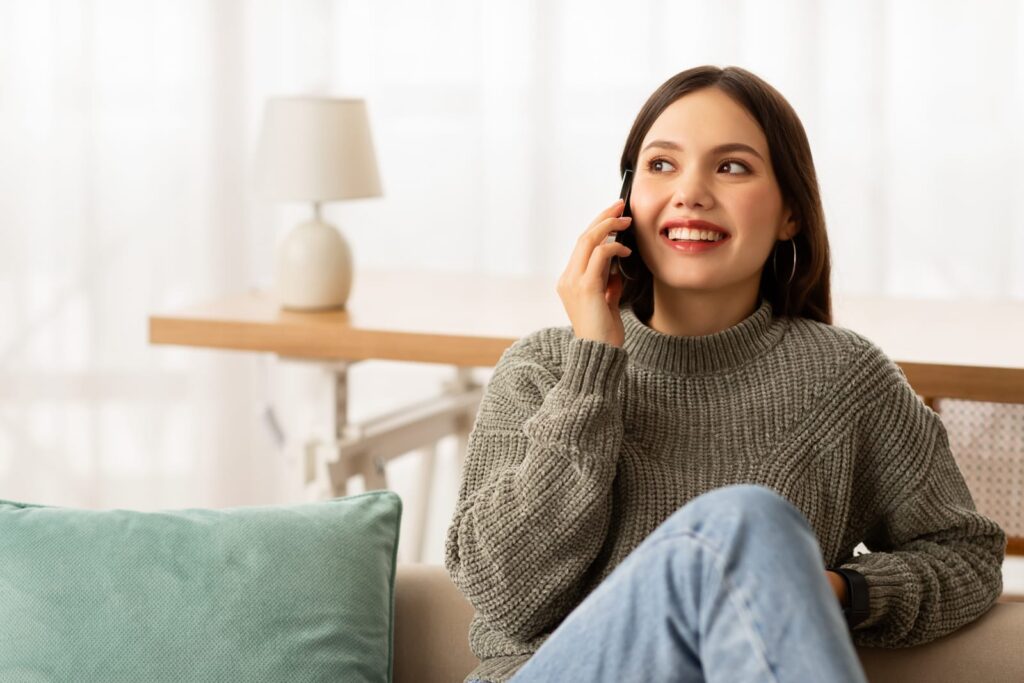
pixel 789 228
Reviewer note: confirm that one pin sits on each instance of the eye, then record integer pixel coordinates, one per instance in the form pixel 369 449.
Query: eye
pixel 734 161
pixel 652 162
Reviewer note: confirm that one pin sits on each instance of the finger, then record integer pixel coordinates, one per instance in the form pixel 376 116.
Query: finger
pixel 580 257
pixel 590 240
pixel 600 260
pixel 609 212
pixel 614 289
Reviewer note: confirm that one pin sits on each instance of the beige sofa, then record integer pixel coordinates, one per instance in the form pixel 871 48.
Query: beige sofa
pixel 432 624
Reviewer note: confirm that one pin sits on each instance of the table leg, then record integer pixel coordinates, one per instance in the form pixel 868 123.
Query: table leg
pixel 343 468
pixel 423 498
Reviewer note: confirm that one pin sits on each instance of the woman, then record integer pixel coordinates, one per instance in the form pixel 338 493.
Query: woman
pixel 672 488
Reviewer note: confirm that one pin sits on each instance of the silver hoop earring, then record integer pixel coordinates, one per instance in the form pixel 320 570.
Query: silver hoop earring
pixel 775 271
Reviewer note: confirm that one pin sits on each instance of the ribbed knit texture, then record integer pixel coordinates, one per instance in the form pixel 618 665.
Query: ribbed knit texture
pixel 581 449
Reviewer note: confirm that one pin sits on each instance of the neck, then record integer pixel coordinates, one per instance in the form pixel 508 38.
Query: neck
pixel 694 313
pixel 697 355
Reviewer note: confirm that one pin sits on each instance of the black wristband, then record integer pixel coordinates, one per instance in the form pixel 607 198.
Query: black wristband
pixel 857 590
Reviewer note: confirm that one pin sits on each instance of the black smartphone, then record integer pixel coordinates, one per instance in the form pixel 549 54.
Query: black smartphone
pixel 627 236
pixel 627 186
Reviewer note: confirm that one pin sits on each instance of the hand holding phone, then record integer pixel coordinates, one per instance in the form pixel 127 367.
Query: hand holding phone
pixel 589 293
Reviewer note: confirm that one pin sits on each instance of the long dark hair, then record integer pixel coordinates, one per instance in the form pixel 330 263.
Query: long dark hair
pixel 809 293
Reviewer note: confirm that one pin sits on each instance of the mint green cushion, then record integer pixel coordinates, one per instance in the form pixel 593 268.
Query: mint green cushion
pixel 301 592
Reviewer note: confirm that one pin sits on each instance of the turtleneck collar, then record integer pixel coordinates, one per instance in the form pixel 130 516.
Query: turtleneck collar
pixel 710 353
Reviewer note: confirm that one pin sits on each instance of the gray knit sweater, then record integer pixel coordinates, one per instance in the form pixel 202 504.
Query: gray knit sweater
pixel 581 449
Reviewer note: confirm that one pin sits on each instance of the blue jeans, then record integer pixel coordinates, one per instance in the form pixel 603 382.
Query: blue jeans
pixel 731 587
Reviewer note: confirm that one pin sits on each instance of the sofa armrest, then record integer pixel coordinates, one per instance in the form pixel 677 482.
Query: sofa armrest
pixel 432 640
pixel 989 649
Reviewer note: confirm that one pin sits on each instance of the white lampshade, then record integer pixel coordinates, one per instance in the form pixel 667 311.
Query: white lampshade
pixel 317 149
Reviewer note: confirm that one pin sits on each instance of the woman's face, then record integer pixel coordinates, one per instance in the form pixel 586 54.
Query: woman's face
pixel 680 175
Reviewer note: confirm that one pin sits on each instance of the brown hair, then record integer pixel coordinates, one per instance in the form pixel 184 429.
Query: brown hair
pixel 809 294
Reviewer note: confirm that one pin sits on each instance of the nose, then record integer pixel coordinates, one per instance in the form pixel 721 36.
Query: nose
pixel 691 189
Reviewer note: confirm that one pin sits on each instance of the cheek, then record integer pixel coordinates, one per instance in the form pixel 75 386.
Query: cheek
pixel 759 206
pixel 642 201
pixel 757 216
pixel 647 205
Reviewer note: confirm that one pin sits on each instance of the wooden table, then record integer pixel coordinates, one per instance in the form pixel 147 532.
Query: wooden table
pixel 427 317
pixel 970 350
pixel 465 320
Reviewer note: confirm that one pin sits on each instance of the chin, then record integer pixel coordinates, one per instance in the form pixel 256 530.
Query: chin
pixel 684 282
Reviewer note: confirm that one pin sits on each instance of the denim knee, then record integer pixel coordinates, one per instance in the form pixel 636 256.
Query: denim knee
pixel 752 498
pixel 753 503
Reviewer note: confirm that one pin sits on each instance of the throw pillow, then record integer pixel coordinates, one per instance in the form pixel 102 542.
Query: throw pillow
pixel 299 592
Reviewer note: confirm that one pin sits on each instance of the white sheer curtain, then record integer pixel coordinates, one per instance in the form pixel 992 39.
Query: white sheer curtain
pixel 128 131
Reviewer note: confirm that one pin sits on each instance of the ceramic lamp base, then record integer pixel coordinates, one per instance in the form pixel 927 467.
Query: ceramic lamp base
pixel 314 268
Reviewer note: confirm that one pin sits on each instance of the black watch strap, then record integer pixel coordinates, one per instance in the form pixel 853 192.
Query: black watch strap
pixel 857 590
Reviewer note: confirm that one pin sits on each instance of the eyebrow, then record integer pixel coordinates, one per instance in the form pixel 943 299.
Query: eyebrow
pixel 727 147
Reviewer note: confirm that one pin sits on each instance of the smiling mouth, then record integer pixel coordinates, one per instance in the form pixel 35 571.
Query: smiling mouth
pixel 694 236
pixel 692 246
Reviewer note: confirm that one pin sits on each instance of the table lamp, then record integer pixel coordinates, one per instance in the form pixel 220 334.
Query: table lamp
pixel 315 149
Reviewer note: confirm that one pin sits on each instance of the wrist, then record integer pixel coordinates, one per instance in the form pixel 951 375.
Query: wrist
pixel 839 587
pixel 856 609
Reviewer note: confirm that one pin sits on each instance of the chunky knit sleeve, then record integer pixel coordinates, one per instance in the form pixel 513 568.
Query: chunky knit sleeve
pixel 935 562
pixel 535 499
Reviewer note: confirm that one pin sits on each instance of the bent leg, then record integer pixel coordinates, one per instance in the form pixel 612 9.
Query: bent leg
pixel 730 587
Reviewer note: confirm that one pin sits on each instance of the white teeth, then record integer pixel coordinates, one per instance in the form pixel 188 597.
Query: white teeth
pixel 693 234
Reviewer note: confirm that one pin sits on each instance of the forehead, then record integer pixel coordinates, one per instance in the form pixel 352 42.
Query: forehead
pixel 705 118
